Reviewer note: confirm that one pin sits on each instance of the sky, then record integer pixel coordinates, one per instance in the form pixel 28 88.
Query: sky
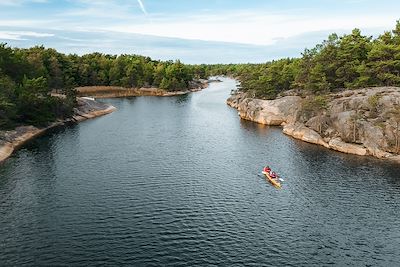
pixel 194 31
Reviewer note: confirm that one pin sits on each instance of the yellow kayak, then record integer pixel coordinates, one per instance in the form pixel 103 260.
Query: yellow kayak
pixel 274 182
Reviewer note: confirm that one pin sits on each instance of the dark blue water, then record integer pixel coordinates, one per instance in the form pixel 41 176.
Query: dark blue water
pixel 175 182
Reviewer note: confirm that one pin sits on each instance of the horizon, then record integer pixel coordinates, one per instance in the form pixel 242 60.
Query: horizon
pixel 210 32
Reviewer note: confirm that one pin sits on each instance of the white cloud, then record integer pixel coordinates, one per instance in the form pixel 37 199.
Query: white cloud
pixel 19 35
pixel 19 2
pixel 245 26
pixel 251 27
pixel 26 23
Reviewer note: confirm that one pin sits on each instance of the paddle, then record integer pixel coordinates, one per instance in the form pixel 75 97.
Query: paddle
pixel 279 178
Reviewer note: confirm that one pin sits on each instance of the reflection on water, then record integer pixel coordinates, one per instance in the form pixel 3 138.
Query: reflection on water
pixel 176 181
pixel 182 98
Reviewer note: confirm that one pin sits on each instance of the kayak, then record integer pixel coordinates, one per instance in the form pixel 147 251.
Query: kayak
pixel 274 182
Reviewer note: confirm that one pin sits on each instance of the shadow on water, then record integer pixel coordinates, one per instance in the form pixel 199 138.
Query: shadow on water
pixel 257 128
pixel 182 99
pixel 43 143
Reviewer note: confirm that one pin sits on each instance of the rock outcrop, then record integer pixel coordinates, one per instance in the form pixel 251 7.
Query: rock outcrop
pixel 300 131
pixel 14 139
pixel 269 112
pixel 357 122
pixel 89 109
pixel 338 145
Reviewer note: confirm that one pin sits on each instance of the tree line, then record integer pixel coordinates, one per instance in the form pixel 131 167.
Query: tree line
pixel 29 76
pixel 349 61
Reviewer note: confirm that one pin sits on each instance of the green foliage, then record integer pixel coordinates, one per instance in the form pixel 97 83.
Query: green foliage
pixel 33 104
pixel 314 105
pixel 7 112
pixel 350 61
pixel 317 80
pixel 29 76
pixel 176 76
pixel 373 101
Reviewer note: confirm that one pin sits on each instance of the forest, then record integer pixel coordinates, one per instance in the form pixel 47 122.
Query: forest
pixel 341 62
pixel 29 76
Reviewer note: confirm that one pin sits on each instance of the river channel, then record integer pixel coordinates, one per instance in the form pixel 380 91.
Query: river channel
pixel 175 181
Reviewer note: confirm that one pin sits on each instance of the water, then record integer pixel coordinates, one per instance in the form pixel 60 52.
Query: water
pixel 176 182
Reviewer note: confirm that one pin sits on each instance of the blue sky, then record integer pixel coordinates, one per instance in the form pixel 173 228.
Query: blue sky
pixel 198 31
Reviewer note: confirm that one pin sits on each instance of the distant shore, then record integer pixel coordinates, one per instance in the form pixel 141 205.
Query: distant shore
pixel 87 108
pixel 11 140
pixel 119 92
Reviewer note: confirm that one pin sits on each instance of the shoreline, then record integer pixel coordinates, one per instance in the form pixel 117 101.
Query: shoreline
pixel 283 112
pixel 117 92
pixel 12 140
pixel 88 108
pixel 303 133
pixel 101 92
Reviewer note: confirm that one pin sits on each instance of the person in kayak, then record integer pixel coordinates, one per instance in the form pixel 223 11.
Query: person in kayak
pixel 267 169
pixel 273 175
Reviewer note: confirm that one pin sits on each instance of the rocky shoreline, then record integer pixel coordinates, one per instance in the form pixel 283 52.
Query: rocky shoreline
pixel 118 92
pixel 348 114
pixel 14 139
pixel 87 108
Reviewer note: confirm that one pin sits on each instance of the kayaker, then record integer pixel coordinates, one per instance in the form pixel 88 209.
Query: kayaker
pixel 267 169
pixel 273 175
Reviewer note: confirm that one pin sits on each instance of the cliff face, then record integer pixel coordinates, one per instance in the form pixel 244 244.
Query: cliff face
pixel 357 122
pixel 269 112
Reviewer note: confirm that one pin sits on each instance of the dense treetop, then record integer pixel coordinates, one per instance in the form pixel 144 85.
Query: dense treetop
pixel 28 76
pixel 349 61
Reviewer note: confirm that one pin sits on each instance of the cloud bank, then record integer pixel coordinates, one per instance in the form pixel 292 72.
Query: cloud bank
pixel 273 29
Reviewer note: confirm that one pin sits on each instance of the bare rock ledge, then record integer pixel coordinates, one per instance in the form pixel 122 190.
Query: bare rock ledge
pixel 375 134
pixel 12 140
